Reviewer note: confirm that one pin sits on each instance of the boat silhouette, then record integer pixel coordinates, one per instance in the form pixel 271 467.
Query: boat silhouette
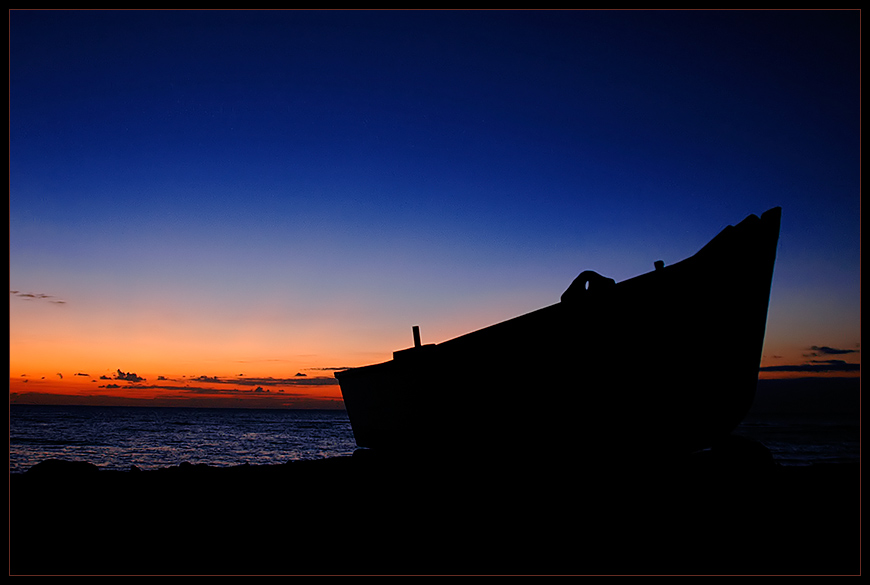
pixel 664 363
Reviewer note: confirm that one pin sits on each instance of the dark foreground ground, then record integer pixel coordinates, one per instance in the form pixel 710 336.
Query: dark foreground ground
pixel 731 511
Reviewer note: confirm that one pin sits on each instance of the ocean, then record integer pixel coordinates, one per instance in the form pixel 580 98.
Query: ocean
pixel 802 439
pixel 118 438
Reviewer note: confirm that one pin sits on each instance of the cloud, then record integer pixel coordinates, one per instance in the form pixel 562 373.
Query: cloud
pixel 294 381
pixel 330 369
pixel 36 296
pixel 229 391
pixel 212 379
pixel 825 350
pixel 231 386
pixel 129 377
pixel 301 375
pixel 817 366
pixel 85 375
pixel 837 364
pixel 304 381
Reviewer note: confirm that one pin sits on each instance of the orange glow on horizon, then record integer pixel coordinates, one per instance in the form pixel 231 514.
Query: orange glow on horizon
pixel 319 391
pixel 130 389
pixel 793 375
pixel 241 362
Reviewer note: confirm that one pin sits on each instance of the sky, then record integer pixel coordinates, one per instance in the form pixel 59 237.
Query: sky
pixel 222 208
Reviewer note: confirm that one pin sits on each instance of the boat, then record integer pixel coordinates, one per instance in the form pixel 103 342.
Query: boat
pixel 662 364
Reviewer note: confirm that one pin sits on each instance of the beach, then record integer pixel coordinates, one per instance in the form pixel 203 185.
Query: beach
pixel 727 511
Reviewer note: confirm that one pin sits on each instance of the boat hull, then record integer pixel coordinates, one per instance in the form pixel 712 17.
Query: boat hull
pixel 663 363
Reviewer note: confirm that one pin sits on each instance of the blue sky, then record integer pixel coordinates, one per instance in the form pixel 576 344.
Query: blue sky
pixel 314 183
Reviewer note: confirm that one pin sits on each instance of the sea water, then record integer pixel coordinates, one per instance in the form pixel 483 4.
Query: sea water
pixel 119 438
pixel 804 439
pixel 149 438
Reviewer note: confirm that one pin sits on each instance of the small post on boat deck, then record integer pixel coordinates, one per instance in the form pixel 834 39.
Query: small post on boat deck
pixel 416 329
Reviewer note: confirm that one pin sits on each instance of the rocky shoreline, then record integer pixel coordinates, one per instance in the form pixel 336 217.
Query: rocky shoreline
pixel 734 511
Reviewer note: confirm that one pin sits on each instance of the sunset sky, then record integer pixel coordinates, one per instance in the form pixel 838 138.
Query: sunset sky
pixel 222 208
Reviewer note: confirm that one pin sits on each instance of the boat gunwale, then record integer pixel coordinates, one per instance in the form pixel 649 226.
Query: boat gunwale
pixel 727 232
